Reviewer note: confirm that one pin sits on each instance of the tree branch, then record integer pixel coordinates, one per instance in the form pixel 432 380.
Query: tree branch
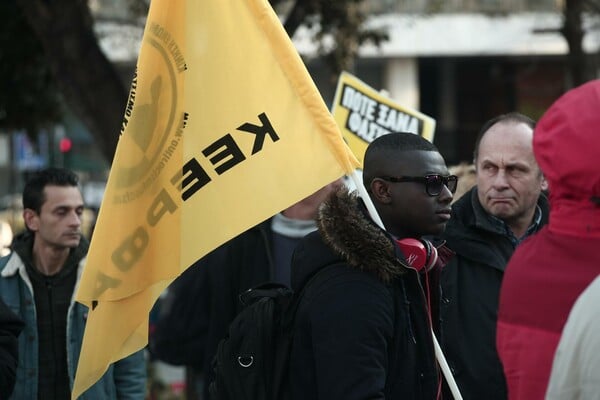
pixel 87 79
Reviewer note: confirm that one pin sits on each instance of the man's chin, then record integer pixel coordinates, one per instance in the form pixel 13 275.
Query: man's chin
pixel 502 211
pixel 438 229
pixel 72 243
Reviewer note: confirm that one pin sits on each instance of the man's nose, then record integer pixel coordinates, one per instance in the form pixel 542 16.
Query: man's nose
pixel 445 195
pixel 74 218
pixel 500 180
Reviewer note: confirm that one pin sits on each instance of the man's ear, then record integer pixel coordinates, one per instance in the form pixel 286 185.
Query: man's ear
pixel 544 183
pixel 380 191
pixel 31 219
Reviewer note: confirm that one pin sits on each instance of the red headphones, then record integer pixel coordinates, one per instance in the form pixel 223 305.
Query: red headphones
pixel 419 253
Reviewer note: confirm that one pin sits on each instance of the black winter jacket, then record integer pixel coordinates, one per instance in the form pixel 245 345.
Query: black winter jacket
pixel 470 290
pixel 362 333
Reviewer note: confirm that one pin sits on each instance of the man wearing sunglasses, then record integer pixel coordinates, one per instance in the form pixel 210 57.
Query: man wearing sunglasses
pixel 488 223
pixel 363 327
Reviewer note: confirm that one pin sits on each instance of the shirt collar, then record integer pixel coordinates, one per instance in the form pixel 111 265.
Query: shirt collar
pixel 502 226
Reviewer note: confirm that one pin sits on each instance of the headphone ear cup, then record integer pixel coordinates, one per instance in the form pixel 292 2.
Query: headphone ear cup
pixel 418 253
pixel 432 255
pixel 415 252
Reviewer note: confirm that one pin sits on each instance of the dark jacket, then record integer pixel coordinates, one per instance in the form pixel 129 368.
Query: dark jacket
pixel 10 328
pixel 362 333
pixel 124 379
pixel 470 289
pixel 202 302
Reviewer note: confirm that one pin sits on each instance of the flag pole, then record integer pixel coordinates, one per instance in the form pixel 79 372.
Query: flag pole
pixel 438 350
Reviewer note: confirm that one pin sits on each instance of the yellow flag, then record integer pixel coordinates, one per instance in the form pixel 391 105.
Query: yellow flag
pixel 223 129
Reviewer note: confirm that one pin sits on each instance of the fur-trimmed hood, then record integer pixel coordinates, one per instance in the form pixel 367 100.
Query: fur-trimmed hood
pixel 347 234
pixel 346 227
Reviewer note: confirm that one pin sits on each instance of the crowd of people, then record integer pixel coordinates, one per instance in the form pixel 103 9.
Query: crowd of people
pixel 502 274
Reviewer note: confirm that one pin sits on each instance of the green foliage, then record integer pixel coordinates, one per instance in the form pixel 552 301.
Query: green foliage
pixel 29 98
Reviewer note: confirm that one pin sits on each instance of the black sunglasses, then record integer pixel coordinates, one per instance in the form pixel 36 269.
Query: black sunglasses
pixel 434 183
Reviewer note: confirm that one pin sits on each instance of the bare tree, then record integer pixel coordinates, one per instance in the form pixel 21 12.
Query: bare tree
pixel 88 81
pixel 580 65
pixel 90 84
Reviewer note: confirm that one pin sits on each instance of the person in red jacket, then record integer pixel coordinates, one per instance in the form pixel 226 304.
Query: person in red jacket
pixel 549 271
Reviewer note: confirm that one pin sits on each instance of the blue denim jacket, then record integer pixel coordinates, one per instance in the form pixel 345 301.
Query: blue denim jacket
pixel 124 380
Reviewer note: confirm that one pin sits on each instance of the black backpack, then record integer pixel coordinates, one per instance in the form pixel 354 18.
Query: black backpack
pixel 251 362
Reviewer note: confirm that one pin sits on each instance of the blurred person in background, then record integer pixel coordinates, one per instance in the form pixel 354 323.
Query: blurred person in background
pixel 38 281
pixel 467 178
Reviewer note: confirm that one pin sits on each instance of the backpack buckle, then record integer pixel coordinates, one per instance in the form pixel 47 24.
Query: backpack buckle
pixel 245 361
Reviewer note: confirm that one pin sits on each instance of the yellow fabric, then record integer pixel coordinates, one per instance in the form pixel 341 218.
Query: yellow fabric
pixel 223 129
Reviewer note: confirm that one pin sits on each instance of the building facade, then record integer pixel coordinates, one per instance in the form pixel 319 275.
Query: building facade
pixel 463 61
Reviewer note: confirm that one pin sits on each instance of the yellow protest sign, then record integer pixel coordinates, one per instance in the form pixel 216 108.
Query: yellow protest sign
pixel 363 114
